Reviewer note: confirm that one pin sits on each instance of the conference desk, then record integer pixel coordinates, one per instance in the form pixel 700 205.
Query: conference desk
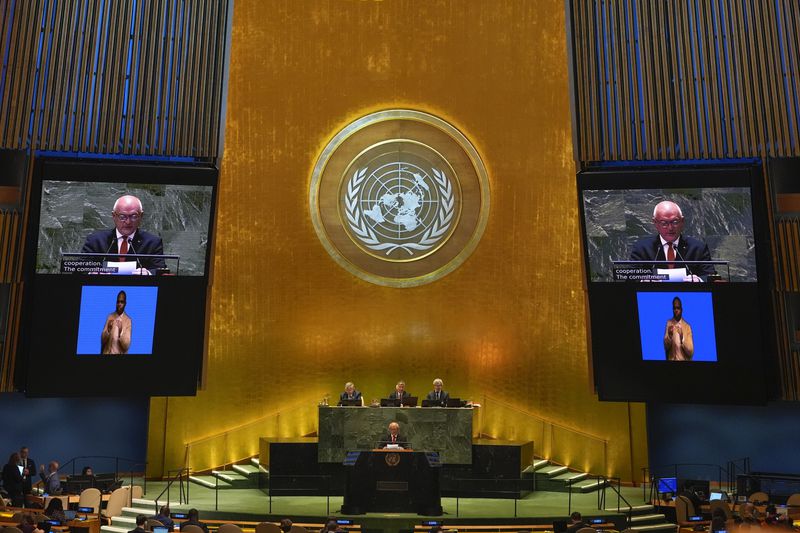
pixel 445 430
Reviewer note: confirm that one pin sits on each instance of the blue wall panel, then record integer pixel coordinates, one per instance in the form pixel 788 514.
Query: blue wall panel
pixel 63 428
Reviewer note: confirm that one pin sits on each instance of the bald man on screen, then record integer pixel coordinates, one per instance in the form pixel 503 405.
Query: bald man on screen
pixel 126 238
pixel 669 244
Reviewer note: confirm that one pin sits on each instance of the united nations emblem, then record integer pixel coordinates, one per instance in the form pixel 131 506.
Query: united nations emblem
pixel 400 208
pixel 392 459
pixel 399 198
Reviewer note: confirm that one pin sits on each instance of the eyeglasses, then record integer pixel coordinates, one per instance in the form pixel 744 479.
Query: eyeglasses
pixel 667 223
pixel 124 218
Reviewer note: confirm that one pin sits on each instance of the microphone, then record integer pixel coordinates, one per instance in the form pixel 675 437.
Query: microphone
pixel 688 270
pixel 130 244
pixel 105 257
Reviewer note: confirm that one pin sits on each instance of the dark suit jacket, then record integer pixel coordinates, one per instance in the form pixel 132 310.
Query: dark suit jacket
pixel 401 441
pixel 12 482
pixel 579 525
pixel 443 396
pixel 689 249
pixel 393 395
pixel 356 396
pixel 143 243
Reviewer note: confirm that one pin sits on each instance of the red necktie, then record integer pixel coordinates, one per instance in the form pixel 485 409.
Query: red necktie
pixel 671 254
pixel 123 249
pixel 394 439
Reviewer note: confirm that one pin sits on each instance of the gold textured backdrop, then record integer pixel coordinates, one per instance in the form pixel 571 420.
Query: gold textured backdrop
pixel 288 325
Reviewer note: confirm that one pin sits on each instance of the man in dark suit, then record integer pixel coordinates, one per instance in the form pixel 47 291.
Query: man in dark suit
pixel 437 394
pixel 29 470
pixel 394 437
pixel 350 393
pixel 400 392
pixel 670 245
pixel 141 520
pixel 127 238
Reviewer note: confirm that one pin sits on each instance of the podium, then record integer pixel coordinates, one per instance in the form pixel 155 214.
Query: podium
pixel 393 481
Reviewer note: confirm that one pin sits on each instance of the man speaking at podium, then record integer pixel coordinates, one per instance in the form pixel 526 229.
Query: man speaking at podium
pixel 670 245
pixel 127 238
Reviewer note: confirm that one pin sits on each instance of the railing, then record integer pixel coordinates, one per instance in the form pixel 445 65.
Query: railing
pixel 552 440
pixel 92 458
pixel 241 442
pixel 608 483
pixel 327 490
pixel 701 471
pixel 176 475
pixel 517 487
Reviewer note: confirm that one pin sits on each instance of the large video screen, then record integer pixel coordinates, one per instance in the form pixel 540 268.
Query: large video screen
pixel 77 217
pixel 116 278
pixel 711 229
pixel 675 261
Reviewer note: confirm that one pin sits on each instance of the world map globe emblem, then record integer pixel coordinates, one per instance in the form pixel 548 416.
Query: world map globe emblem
pixel 399 208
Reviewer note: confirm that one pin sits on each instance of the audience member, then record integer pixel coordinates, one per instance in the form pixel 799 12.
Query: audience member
pixel 12 481
pixel 331 526
pixel 575 522
pixel 193 519
pixel 87 471
pixel 437 529
pixel 286 525
pixel 52 484
pixel 55 510
pixel 164 517
pixel 27 525
pixel 141 520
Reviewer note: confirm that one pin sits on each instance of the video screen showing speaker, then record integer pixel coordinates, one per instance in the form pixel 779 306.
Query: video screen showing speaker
pixel 105 227
pixel 676 262
pixel 116 270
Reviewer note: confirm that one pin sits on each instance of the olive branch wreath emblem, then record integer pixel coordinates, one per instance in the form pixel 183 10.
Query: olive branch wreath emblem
pixel 433 234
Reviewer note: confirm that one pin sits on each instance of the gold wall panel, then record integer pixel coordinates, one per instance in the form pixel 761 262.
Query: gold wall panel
pixel 288 325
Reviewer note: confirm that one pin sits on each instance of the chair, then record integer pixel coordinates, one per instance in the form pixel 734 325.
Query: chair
pixel 91 497
pixel 268 527
pixel 301 529
pixel 151 523
pixel 581 530
pixel 794 500
pixel 684 508
pixel 191 528
pixel 758 497
pixel 229 528
pixel 17 517
pixel 118 499
pixel 136 493
pixel 719 504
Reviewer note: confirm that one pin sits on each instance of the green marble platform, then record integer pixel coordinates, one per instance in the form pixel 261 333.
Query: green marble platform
pixel 440 429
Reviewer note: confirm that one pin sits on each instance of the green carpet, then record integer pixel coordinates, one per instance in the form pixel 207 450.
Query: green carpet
pixel 253 504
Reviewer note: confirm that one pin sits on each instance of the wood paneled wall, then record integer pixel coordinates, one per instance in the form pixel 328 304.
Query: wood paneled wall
pixel 140 77
pixel 686 79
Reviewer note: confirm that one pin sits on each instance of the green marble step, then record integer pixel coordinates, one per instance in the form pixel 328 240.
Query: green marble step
pixel 571 477
pixel 235 479
pixel 211 482
pixel 248 471
pixel 552 471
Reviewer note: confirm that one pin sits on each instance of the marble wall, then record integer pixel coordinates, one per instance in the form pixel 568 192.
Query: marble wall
pixel 722 217
pixel 71 210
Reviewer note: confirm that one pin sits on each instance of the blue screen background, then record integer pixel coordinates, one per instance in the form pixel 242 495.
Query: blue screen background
pixel 97 302
pixel 655 308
